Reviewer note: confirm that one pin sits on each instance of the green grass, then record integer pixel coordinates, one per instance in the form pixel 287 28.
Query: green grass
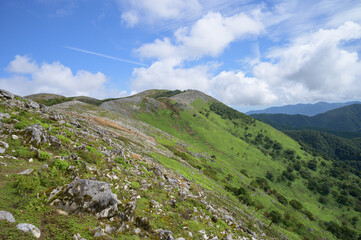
pixel 234 144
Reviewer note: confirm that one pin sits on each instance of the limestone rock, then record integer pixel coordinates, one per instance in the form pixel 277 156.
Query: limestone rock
pixel 6 94
pixel 4 115
pixel 3 146
pixel 25 227
pixel 6 216
pixel 86 196
pixel 77 236
pixel 36 133
pixel 26 172
pixel 164 234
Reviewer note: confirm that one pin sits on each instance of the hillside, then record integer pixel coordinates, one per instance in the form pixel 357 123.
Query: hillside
pixel 303 109
pixel 345 121
pixel 348 151
pixel 174 164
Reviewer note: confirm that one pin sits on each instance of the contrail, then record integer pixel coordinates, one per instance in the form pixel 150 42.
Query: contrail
pixel 105 56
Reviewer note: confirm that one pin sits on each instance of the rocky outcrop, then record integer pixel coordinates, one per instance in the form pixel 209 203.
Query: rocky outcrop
pixel 86 196
pixel 36 134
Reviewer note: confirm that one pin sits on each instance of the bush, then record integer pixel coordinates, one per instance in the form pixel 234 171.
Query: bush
pixel 308 214
pixel 296 204
pixel 312 164
pixel 44 156
pixel 134 185
pixel 61 164
pixel 26 184
pixel 282 199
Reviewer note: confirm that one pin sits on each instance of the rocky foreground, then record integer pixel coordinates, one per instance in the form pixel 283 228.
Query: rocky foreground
pixel 56 165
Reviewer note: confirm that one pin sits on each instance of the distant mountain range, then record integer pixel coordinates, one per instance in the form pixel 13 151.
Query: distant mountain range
pixel 344 121
pixel 304 109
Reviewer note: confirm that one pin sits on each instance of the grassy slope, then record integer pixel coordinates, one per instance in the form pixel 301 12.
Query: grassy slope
pixel 235 156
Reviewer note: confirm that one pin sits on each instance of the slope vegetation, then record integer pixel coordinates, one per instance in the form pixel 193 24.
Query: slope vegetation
pixel 264 168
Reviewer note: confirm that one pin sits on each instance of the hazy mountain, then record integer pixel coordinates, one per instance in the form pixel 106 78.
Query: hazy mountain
pixel 341 121
pixel 303 109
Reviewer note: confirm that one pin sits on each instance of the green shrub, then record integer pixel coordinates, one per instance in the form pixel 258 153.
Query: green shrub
pixel 26 184
pixel 61 164
pixel 134 185
pixel 64 139
pixel 296 204
pixel 44 156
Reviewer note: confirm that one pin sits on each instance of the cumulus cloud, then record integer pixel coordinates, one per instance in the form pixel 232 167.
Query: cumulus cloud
pixel 152 11
pixel 236 89
pixel 29 77
pixel 209 36
pixel 315 67
pixel 311 68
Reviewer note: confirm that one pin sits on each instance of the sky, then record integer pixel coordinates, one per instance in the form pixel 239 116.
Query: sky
pixel 247 54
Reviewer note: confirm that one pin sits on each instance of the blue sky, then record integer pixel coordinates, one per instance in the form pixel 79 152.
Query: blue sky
pixel 248 54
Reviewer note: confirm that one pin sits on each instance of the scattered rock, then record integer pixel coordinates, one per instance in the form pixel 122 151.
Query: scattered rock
pixel 6 216
pixel 6 94
pixel 26 172
pixel 4 115
pixel 86 196
pixel 164 234
pixel 129 209
pixel 14 137
pixel 3 146
pixel 32 104
pixel 25 227
pixel 77 236
pixel 55 141
pixel 137 231
pixel 36 133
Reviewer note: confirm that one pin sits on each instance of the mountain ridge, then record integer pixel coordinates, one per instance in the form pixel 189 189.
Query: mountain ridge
pixel 303 109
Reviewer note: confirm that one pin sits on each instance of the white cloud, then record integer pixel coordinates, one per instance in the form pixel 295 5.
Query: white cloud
pixel 22 65
pixel 130 18
pixel 312 68
pixel 315 67
pixel 52 77
pixel 209 36
pixel 150 11
pixel 236 89
pixel 168 74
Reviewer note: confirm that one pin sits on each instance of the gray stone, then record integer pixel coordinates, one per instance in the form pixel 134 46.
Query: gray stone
pixel 99 232
pixel 26 172
pixel 6 94
pixel 86 196
pixel 14 137
pixel 6 216
pixel 4 115
pixel 164 234
pixel 36 133
pixel 137 230
pixel 55 141
pixel 77 236
pixel 109 229
pixel 129 210
pixel 32 104
pixel 25 227
pixel 3 146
